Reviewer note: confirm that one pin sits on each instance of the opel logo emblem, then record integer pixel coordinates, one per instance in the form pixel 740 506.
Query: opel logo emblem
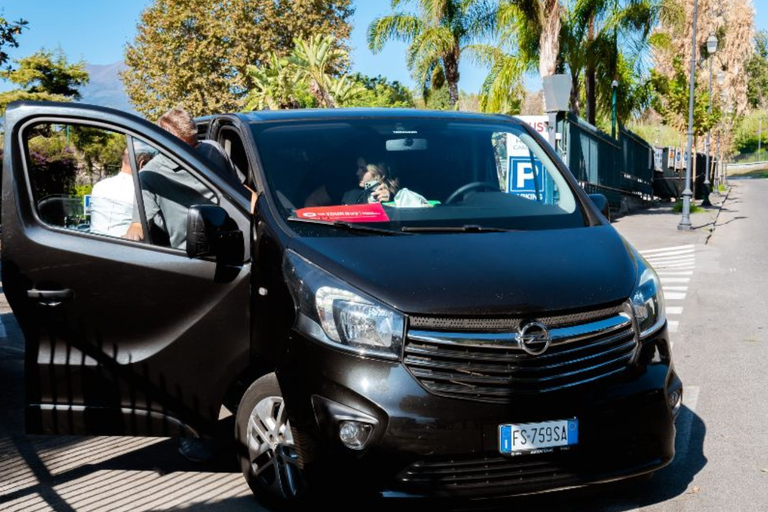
pixel 534 338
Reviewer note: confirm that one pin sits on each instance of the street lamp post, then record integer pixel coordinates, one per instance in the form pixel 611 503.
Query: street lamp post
pixel 685 221
pixel 717 166
pixel 614 86
pixel 711 49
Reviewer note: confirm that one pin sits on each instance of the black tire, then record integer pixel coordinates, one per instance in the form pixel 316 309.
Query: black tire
pixel 266 448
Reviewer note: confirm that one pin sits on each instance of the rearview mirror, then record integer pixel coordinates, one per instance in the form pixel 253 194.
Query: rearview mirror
pixel 602 204
pixel 212 232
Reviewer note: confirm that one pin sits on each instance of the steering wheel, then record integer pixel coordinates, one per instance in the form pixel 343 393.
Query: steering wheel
pixel 469 187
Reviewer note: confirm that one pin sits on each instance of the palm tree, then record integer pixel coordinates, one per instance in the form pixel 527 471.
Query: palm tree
pixel 274 86
pixel 315 59
pixel 437 36
pixel 309 69
pixel 610 40
pixel 536 26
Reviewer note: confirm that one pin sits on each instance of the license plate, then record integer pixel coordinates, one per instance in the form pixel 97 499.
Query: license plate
pixel 526 437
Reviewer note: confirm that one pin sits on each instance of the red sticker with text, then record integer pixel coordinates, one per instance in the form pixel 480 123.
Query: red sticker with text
pixel 370 212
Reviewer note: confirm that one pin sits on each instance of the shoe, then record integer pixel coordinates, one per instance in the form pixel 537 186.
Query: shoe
pixel 196 449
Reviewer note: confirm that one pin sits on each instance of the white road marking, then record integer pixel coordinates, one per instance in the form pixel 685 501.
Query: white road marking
pixel 675 280
pixel 676 257
pixel 679 248
pixel 674 266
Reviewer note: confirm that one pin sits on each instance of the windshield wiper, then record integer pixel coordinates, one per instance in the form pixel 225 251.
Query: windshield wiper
pixel 349 226
pixel 468 228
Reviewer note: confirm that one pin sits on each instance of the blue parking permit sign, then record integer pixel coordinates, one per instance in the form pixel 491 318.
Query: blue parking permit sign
pixel 524 178
pixel 87 204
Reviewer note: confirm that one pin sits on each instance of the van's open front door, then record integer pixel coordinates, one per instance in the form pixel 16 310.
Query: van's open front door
pixel 122 336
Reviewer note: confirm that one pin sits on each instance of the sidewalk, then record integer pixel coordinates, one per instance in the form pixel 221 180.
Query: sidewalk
pixel 656 225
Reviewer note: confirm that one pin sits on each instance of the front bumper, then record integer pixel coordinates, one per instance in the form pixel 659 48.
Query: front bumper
pixel 430 446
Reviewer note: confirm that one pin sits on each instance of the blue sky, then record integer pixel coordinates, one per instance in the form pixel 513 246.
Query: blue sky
pixel 96 31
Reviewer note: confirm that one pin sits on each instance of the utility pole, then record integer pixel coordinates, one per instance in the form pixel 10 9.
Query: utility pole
pixel 685 221
pixel 711 49
pixel 614 86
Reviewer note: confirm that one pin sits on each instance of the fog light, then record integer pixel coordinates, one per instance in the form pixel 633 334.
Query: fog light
pixel 355 434
pixel 675 401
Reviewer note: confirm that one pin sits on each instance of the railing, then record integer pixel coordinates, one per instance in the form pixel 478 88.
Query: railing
pixel 613 167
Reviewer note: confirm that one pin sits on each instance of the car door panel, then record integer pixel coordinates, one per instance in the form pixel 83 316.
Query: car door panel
pixel 121 337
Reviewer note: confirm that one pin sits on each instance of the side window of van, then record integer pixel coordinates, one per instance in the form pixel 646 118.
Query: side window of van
pixel 81 179
pixel 64 164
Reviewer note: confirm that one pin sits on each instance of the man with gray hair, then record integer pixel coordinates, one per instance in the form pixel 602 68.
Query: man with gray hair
pixel 168 190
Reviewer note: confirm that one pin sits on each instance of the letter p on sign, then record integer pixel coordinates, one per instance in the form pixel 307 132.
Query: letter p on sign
pixel 524 173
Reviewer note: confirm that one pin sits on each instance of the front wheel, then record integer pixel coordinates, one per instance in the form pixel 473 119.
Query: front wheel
pixel 266 447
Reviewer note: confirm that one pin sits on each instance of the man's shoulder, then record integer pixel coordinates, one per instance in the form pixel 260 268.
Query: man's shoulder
pixel 106 184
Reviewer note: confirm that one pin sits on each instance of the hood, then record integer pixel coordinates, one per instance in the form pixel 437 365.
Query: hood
pixel 481 273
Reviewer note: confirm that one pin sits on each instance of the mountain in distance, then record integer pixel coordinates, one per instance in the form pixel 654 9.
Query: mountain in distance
pixel 105 87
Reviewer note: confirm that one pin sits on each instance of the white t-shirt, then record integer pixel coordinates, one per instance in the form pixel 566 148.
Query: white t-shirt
pixel 112 205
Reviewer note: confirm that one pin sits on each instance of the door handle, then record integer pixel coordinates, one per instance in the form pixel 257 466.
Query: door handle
pixel 50 297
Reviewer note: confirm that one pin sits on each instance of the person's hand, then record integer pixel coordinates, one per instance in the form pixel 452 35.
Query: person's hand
pixel 134 232
pixel 381 193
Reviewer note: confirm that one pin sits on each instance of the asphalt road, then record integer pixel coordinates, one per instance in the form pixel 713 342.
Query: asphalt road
pixel 714 279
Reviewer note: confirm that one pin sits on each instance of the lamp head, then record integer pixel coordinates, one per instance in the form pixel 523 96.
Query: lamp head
pixel 711 44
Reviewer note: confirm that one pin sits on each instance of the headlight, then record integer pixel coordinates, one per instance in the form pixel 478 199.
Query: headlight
pixel 647 299
pixel 331 311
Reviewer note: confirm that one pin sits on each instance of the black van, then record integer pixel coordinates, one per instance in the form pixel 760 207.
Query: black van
pixel 401 302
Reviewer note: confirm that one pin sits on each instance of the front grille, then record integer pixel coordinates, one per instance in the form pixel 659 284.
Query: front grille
pixel 490 366
pixel 487 476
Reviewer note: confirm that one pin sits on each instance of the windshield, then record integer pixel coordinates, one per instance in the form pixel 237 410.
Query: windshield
pixel 413 175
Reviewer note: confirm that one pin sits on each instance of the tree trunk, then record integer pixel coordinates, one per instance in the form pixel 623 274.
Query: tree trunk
pixel 589 77
pixel 549 41
pixel 575 94
pixel 451 66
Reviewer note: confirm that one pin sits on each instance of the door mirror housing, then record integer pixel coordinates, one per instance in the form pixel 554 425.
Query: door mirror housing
pixel 212 232
pixel 602 204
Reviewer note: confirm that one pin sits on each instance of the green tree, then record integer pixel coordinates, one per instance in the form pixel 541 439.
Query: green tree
pixel 672 101
pixel 9 30
pixel 310 70
pixel 757 71
pixel 196 53
pixel 607 40
pixel 536 26
pixel 98 150
pixel 314 60
pixel 379 92
pixel 527 38
pixel 44 76
pixel 437 36
pixel 275 87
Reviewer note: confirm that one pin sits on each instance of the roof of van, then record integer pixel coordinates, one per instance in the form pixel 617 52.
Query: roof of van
pixel 362 113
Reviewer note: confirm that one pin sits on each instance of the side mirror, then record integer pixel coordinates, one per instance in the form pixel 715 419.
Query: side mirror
pixel 212 232
pixel 602 204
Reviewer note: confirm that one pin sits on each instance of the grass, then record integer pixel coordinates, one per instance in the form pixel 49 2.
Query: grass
pixel 678 207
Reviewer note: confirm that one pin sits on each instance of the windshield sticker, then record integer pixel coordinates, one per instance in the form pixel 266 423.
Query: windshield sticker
pixel 372 212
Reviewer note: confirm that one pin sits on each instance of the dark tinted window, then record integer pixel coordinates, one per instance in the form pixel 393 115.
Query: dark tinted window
pixel 435 172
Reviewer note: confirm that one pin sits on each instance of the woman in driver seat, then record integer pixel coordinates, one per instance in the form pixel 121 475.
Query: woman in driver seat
pixel 375 182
